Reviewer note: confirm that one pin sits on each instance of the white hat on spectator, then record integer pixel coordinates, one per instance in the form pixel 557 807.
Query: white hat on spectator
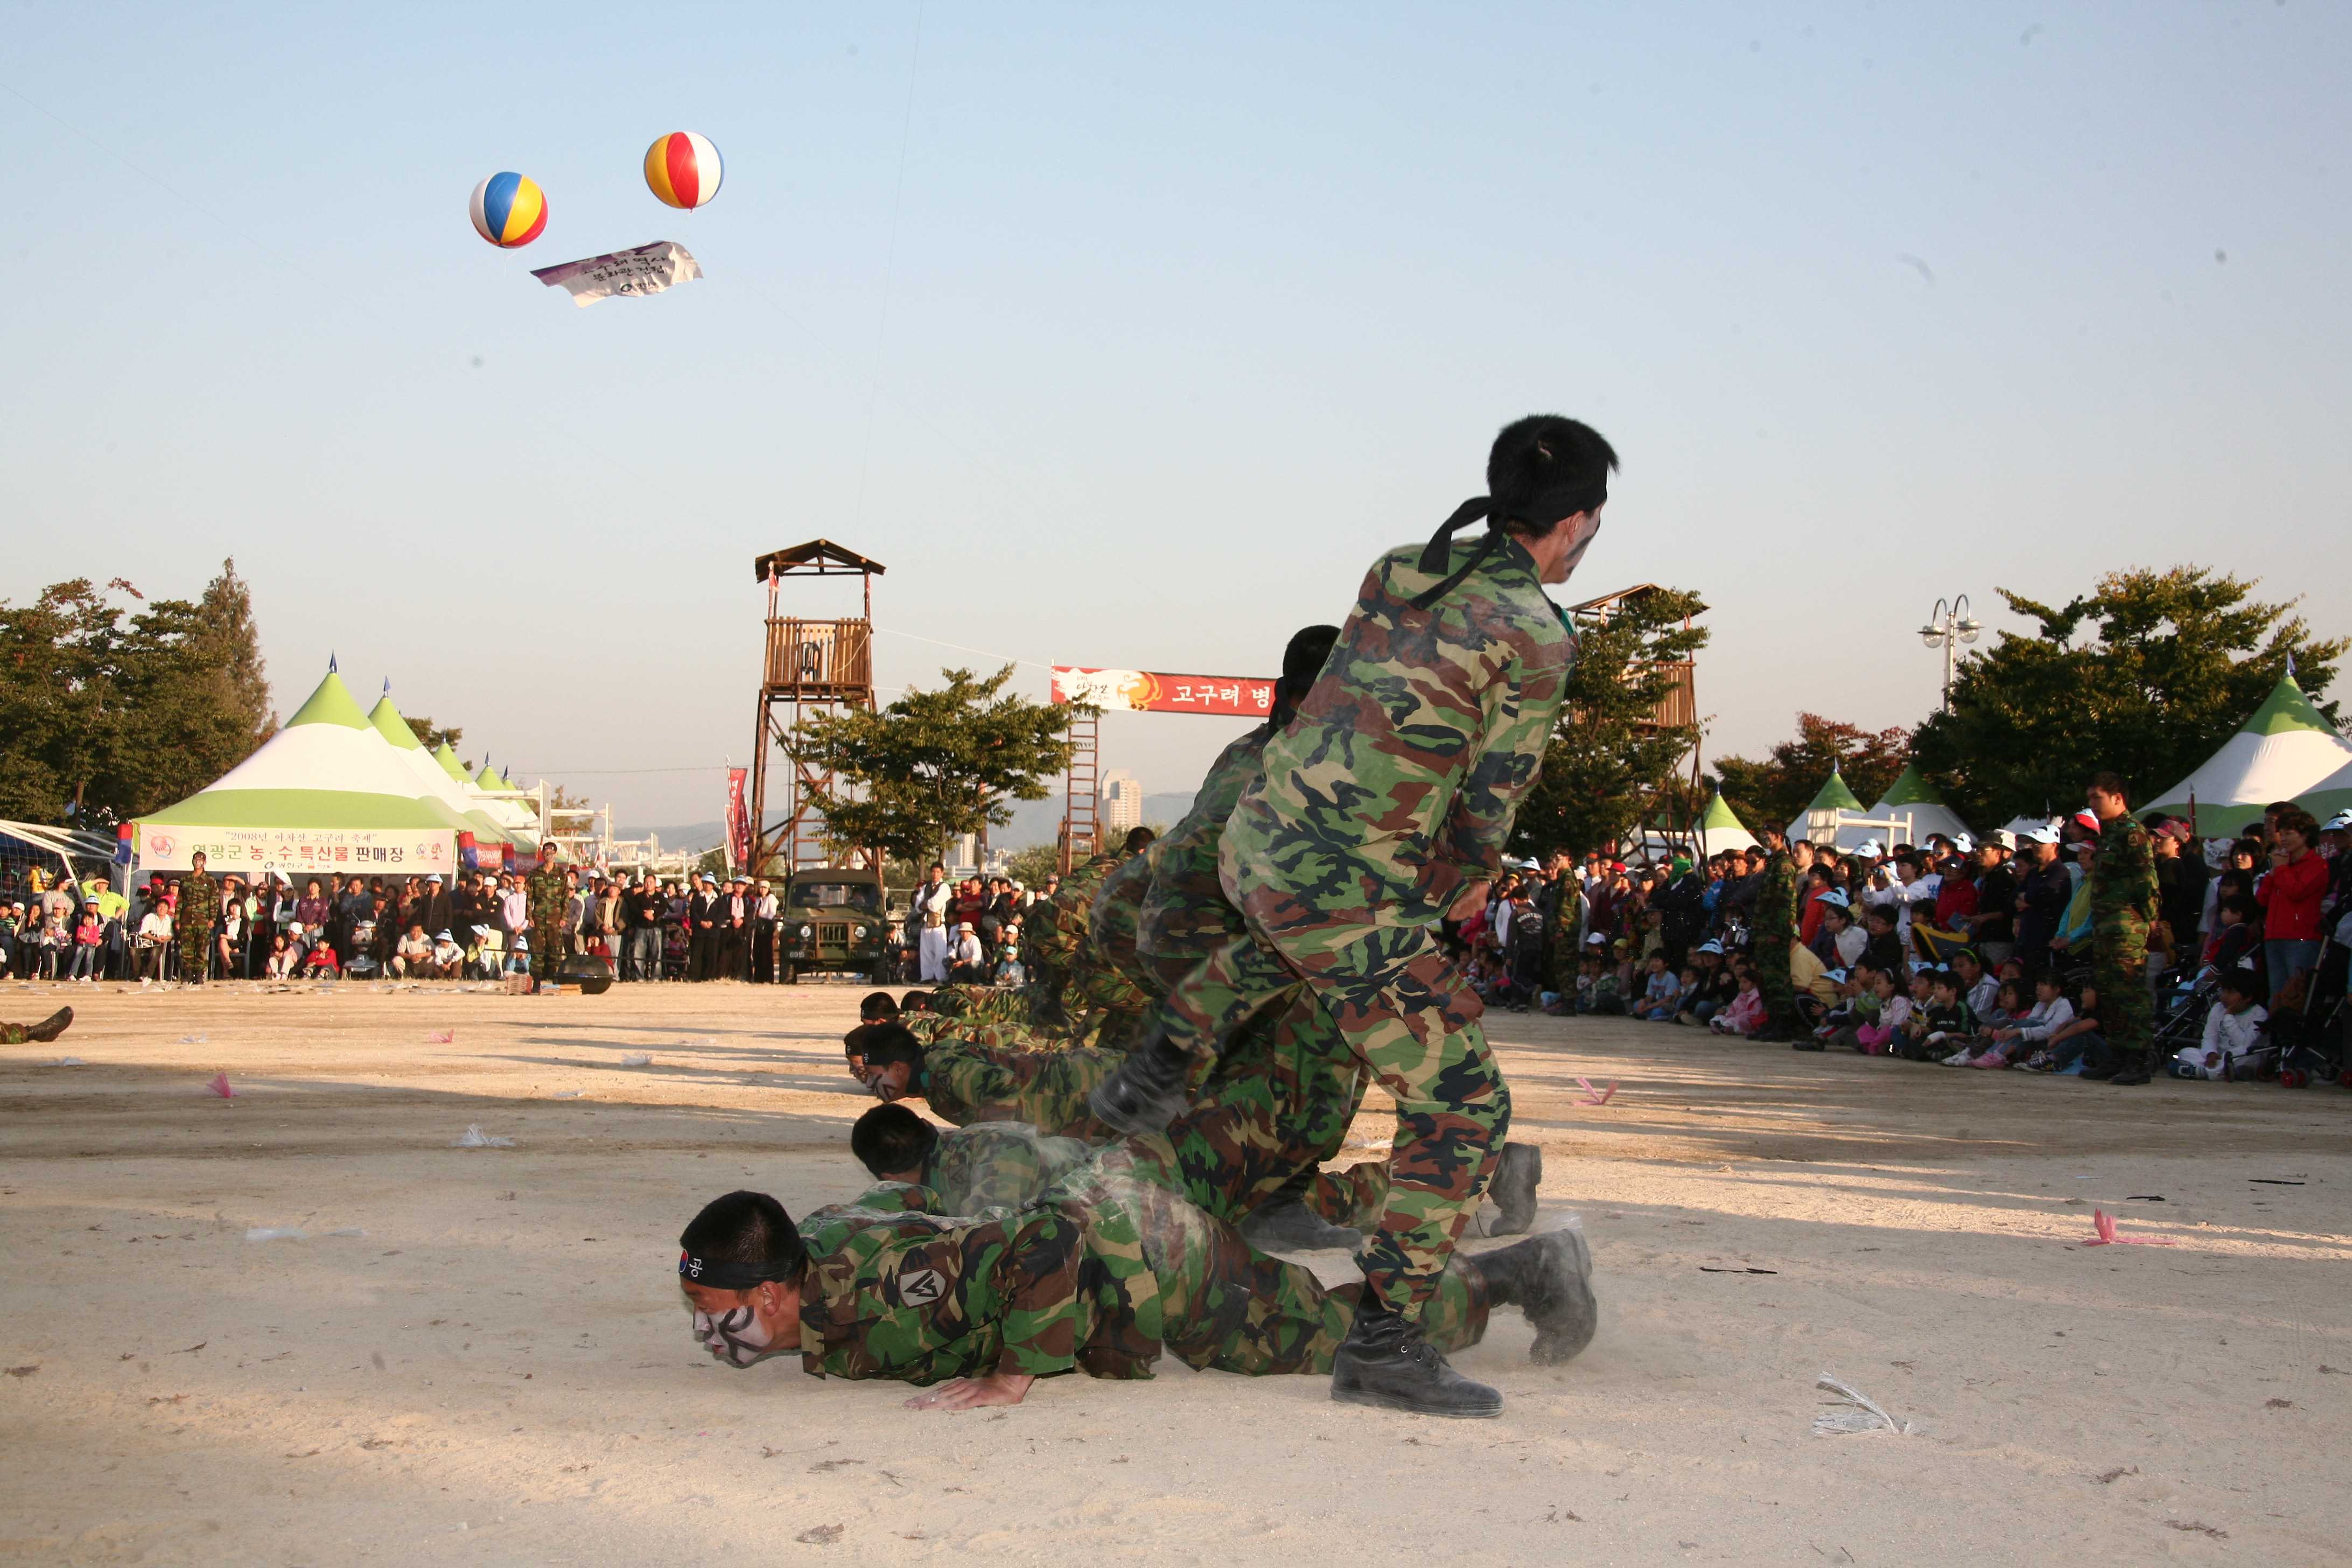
pixel 2003 838
pixel 2341 820
pixel 2043 834
pixel 1869 847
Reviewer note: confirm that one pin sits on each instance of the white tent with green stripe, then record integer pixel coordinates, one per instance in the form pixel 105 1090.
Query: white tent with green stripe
pixel 325 794
pixel 1912 795
pixel 433 782
pixel 2287 750
pixel 517 819
pixel 1721 828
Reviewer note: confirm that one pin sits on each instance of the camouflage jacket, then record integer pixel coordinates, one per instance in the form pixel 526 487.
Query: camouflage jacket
pixel 545 897
pixel 993 1033
pixel 1057 1287
pixel 1399 780
pixel 2122 884
pixel 1776 901
pixel 199 901
pixel 1112 923
pixel 1185 911
pixel 964 1083
pixel 994 1165
pixel 1055 939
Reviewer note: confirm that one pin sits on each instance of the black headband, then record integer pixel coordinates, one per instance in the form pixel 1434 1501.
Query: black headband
pixel 1545 511
pixel 721 1275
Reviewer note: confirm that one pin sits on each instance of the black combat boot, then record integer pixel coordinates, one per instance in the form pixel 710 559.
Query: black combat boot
pixel 1550 1278
pixel 1517 1175
pixel 1285 1224
pixel 1385 1362
pixel 50 1028
pixel 1147 1090
pixel 2131 1068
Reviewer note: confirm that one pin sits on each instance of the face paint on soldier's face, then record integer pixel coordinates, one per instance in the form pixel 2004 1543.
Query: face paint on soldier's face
pixel 736 1335
pixel 1559 551
pixel 889 1082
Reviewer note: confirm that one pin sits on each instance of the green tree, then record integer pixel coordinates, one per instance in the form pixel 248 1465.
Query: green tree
pixel 2145 677
pixel 932 765
pixel 1608 759
pixel 1778 788
pixel 1031 867
pixel 106 712
pixel 430 735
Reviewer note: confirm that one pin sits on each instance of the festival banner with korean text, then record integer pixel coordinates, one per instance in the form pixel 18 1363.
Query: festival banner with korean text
pixel 297 852
pixel 1150 691
pixel 739 823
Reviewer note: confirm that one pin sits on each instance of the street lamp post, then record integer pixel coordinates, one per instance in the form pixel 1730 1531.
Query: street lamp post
pixel 1948 626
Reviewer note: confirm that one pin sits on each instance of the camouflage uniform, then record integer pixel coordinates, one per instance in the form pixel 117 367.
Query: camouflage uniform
pixel 1100 1275
pixel 545 898
pixel 192 924
pixel 1394 789
pixel 930 1029
pixel 1112 976
pixel 1185 915
pixel 994 1165
pixel 1769 939
pixel 1051 942
pixel 965 1082
pixel 2123 897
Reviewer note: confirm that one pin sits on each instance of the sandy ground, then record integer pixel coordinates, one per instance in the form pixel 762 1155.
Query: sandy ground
pixel 500 1371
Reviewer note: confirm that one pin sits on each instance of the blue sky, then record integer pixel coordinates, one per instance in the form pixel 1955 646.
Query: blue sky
pixel 1128 336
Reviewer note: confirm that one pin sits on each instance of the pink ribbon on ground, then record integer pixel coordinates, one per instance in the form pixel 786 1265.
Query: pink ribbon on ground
pixel 219 1086
pixel 442 1037
pixel 1597 1096
pixel 2107 1237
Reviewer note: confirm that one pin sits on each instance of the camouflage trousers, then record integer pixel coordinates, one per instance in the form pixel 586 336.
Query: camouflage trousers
pixel 1403 1010
pixel 1769 957
pixel 1227 1307
pixel 546 949
pixel 15 1034
pixel 1279 1103
pixel 2119 971
pixel 196 952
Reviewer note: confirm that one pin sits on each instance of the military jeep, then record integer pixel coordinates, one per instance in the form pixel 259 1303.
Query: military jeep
pixel 830 920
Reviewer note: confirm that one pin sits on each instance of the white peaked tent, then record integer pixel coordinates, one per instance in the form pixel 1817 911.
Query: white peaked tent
pixel 2287 751
pixel 1913 796
pixel 1721 828
pixel 520 822
pixel 432 782
pixel 325 793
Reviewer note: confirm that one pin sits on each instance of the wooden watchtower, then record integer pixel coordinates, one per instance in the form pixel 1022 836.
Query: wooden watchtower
pixel 807 664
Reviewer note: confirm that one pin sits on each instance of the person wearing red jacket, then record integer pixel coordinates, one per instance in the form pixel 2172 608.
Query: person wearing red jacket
pixel 2290 893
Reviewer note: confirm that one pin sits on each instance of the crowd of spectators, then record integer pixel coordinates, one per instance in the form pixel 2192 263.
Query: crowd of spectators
pixel 1965 952
pixel 966 932
pixel 476 926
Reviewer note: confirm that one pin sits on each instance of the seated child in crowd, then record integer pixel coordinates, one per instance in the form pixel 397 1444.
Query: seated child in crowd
pixel 1746 1014
pixel 1661 994
pixel 2234 1029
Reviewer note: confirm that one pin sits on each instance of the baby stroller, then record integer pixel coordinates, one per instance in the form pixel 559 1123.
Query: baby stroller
pixel 2306 1040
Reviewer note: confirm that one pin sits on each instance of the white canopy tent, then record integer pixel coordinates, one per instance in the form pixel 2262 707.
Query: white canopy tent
pixel 2287 751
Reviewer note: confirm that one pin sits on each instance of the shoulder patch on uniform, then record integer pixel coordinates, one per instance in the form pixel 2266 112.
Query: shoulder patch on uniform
pixel 920 1287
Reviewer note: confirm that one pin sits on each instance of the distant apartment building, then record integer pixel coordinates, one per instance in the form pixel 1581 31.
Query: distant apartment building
pixel 1122 802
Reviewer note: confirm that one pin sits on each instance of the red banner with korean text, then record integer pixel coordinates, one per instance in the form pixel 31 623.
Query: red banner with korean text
pixel 739 823
pixel 1150 691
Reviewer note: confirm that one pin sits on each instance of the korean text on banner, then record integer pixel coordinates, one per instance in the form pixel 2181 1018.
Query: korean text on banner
pixel 738 824
pixel 296 851
pixel 1150 691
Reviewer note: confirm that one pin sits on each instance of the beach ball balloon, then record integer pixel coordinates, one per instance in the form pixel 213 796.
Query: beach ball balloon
pixel 682 169
pixel 509 210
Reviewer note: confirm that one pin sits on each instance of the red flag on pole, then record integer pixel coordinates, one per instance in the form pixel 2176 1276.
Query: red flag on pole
pixel 739 823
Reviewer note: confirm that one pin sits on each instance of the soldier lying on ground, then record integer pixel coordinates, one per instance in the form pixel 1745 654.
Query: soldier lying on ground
pixel 1105 1271
pixel 990 1164
pixel 40 1034
pixel 964 1080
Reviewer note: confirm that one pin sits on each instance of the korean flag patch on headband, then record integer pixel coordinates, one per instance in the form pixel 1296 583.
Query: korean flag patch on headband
pixel 719 1273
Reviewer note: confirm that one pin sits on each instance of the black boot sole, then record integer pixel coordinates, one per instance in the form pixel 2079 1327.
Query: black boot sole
pixel 1380 1401
pixel 1518 1173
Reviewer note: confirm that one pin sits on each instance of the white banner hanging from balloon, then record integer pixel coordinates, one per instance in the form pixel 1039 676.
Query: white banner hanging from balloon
pixel 648 269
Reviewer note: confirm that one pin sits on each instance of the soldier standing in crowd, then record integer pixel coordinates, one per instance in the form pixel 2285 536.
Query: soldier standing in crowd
pixel 199 910
pixel 1384 809
pixel 546 894
pixel 1770 937
pixel 2124 899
